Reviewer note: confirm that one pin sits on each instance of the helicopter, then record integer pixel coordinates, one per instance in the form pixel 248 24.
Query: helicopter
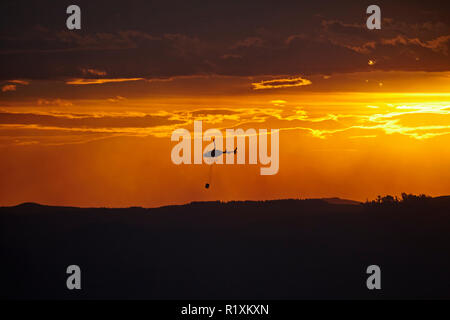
pixel 214 153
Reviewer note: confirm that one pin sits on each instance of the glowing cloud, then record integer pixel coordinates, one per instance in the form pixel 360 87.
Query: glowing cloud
pixel 23 82
pixel 281 83
pixel 9 87
pixel 94 72
pixel 117 99
pixel 100 81
pixel 278 102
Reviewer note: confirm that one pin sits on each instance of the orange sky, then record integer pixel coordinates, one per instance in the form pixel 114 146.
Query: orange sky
pixel 86 115
pixel 341 135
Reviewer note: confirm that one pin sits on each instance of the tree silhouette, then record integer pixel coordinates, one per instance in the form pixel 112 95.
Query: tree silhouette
pixel 406 200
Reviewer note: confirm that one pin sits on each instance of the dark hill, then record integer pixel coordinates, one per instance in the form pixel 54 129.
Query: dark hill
pixel 255 249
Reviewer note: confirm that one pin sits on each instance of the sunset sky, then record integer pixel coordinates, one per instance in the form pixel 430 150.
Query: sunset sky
pixel 86 116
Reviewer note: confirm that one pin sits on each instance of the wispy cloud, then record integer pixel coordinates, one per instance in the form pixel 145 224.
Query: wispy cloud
pixel 117 99
pixel 248 42
pixel 54 102
pixel 281 83
pixel 439 44
pixel 22 82
pixel 415 120
pixel 9 87
pixel 95 72
pixel 100 81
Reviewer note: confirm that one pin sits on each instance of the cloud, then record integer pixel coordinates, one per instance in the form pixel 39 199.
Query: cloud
pixel 121 40
pixel 9 87
pixel 294 37
pixel 51 128
pixel 281 83
pixel 428 35
pixel 248 42
pixel 95 72
pixel 100 81
pixel 204 112
pixel 439 44
pixel 419 121
pixel 22 82
pixel 363 48
pixel 54 102
pixel 183 45
pixel 12 85
pixel 117 99
pixel 85 122
pixel 293 40
pixel 278 102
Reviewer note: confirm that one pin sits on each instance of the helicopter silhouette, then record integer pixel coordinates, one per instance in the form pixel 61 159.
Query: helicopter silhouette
pixel 214 153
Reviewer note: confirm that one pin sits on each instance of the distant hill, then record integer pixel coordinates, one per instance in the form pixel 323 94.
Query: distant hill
pixel 341 201
pixel 278 249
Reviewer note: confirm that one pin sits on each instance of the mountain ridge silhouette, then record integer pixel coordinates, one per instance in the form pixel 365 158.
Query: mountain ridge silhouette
pixel 274 249
pixel 331 200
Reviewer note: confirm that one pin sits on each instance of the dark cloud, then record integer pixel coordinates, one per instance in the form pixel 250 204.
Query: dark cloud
pixel 147 39
pixel 85 122
pixel 206 112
